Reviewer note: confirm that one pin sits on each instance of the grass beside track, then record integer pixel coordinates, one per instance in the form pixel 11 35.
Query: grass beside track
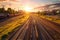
pixel 55 19
pixel 7 28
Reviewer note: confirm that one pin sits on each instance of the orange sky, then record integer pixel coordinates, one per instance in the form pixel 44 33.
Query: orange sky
pixel 19 4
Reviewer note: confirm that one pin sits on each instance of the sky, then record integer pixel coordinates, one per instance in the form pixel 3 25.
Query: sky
pixel 19 4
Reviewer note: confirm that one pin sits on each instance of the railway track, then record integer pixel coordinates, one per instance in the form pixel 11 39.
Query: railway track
pixel 35 29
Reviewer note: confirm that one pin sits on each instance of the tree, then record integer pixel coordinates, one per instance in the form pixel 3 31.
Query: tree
pixel 2 10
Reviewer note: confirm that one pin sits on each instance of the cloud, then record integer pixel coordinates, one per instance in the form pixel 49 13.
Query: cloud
pixel 8 0
pixel 2 0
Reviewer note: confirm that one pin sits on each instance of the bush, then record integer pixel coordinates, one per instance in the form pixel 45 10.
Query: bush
pixel 4 37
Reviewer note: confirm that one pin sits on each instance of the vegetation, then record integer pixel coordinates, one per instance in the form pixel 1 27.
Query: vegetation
pixel 8 12
pixel 8 28
pixel 53 15
pixel 53 12
pixel 4 37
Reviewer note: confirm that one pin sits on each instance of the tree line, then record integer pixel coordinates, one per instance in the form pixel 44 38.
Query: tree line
pixel 7 12
pixel 53 12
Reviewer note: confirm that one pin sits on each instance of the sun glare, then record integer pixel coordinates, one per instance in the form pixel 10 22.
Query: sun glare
pixel 27 8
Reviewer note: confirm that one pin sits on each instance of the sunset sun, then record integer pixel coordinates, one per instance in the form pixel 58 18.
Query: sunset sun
pixel 27 8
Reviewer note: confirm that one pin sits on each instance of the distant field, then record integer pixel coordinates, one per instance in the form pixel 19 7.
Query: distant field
pixel 54 18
